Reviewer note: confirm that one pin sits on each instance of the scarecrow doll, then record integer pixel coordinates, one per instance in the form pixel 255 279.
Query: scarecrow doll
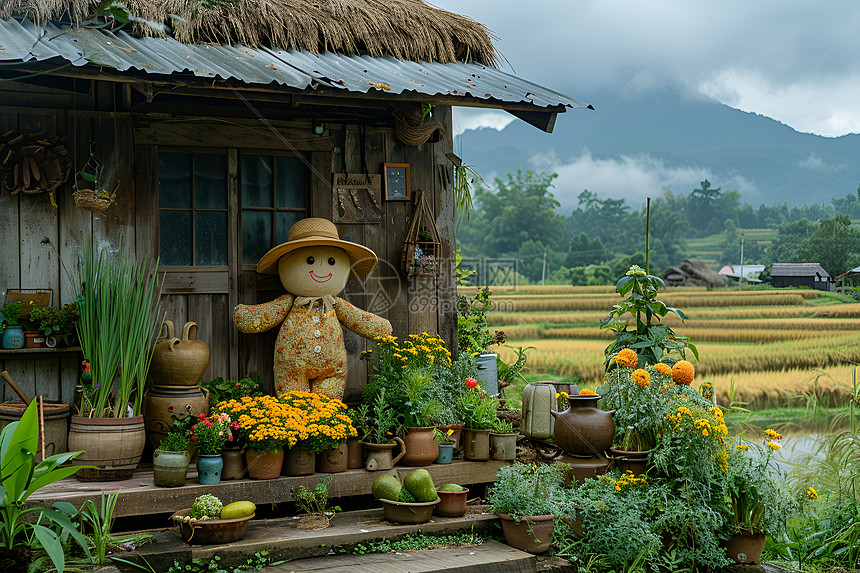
pixel 314 265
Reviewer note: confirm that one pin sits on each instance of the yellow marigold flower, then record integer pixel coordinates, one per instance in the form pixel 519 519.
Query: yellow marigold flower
pixel 773 434
pixel 587 392
pixel 663 369
pixel 627 357
pixel 685 410
pixel 683 372
pixel 773 445
pixel 812 493
pixel 641 377
pixel 723 460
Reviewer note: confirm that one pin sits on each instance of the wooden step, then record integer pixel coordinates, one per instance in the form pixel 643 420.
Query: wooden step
pixel 489 557
pixel 140 496
pixel 283 540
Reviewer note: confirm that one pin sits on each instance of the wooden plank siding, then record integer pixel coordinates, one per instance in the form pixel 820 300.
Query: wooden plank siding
pixel 48 240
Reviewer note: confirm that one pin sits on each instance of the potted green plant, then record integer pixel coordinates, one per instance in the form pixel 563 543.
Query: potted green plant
pixel 20 477
pixel 758 498
pixel 315 503
pixel 13 332
pixel 118 319
pixel 503 440
pixel 420 412
pixel 445 445
pixel 474 338
pixel 525 498
pixel 478 411
pixel 57 324
pixel 382 437
pixel 170 460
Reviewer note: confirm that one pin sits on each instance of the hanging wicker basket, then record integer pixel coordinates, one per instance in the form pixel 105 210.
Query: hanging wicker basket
pixel 412 128
pixel 88 200
pixel 422 249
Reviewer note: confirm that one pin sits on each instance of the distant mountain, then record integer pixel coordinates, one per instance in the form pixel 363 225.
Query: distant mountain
pixel 649 141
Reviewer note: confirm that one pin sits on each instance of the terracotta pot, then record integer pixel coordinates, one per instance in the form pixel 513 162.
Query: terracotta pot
pixel 113 445
pixel 745 548
pixel 584 429
pixel 264 465
pixel 163 405
pixel 333 460
pixel 532 534
pixel 234 464
pixel 634 461
pixel 299 462
pixel 379 456
pixel 211 532
pixel 503 446
pixel 34 340
pixel 451 503
pixel 179 362
pixel 56 425
pixel 476 445
pixel 408 513
pixel 421 447
pixel 170 469
pixel 355 454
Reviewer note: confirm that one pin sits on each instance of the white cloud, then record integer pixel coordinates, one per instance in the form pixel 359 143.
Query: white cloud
pixel 470 118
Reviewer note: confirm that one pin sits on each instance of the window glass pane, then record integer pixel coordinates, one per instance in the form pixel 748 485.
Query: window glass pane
pixel 174 180
pixel 290 182
pixel 256 181
pixel 256 235
pixel 174 237
pixel 285 220
pixel 211 244
pixel 210 181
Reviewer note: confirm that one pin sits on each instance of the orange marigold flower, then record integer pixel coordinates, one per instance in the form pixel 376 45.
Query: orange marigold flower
pixel 683 372
pixel 627 357
pixel 773 434
pixel 663 369
pixel 641 377
pixel 587 392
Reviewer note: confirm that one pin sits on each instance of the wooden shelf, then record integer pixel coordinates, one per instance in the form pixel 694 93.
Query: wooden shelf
pixel 31 352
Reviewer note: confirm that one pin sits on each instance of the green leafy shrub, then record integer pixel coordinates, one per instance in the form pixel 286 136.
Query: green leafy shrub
pixel 207 505
pixel 523 490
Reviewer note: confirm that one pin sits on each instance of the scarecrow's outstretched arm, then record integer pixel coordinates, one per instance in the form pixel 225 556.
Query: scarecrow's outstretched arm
pixel 361 322
pixel 261 317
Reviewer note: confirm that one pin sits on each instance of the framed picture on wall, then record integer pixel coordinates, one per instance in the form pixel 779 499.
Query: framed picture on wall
pixel 396 181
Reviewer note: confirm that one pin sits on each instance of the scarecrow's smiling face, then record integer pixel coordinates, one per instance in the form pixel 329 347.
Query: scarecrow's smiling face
pixel 314 271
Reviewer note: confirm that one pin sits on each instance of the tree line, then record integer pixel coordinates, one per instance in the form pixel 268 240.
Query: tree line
pixel 599 240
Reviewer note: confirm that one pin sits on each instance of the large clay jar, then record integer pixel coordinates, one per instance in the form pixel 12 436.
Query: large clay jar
pixel 163 405
pixel 169 469
pixel 179 361
pixel 421 447
pixel 584 429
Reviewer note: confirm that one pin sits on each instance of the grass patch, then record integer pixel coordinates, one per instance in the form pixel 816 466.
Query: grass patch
pixel 412 542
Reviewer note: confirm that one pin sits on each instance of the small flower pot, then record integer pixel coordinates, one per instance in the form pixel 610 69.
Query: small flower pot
pixel 532 534
pixel 632 461
pixel 476 445
pixel 264 465
pixel 13 337
pixel 34 340
pixel 446 454
pixel 333 460
pixel 503 446
pixel 451 503
pixel 745 548
pixel 408 513
pixel 234 464
pixel 379 456
pixel 169 469
pixel 355 454
pixel 299 462
pixel 209 468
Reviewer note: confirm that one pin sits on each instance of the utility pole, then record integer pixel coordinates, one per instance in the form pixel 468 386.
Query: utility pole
pixel 543 272
pixel 742 259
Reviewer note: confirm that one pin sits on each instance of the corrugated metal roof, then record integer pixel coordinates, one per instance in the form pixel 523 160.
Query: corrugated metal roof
pixel 798 270
pixel 23 41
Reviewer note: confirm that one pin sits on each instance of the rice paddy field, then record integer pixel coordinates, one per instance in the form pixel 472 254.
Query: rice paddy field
pixel 767 348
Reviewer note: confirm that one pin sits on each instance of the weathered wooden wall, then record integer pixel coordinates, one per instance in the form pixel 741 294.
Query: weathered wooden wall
pixel 42 244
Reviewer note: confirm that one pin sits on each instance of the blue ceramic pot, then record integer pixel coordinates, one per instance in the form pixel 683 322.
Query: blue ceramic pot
pixel 446 454
pixel 13 337
pixel 209 468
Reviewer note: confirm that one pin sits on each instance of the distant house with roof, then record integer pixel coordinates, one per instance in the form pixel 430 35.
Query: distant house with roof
pixel 750 273
pixel 810 275
pixel 693 273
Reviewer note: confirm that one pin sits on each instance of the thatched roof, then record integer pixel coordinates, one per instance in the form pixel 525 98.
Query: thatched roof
pixel 691 272
pixel 404 29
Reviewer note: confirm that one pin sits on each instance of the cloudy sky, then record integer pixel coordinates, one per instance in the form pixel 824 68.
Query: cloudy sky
pixel 792 60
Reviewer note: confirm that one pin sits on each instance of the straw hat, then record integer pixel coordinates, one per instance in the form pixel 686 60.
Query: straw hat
pixel 313 232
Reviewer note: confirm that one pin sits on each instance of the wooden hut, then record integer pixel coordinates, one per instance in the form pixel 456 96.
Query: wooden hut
pixel 693 273
pixel 809 275
pixel 218 125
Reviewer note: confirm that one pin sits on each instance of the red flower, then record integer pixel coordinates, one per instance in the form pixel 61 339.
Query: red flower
pixel 503 384
pixel 192 438
pixel 202 415
pixel 471 383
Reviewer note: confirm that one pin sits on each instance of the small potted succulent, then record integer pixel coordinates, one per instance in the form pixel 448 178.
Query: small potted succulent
pixel 170 460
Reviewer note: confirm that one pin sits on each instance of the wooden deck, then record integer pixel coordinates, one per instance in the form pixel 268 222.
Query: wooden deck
pixel 140 496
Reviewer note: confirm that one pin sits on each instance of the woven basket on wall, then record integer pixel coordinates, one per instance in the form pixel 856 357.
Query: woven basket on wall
pixel 87 199
pixel 412 128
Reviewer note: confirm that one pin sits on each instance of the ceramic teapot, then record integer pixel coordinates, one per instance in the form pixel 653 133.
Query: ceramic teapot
pixel 584 429
pixel 179 361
